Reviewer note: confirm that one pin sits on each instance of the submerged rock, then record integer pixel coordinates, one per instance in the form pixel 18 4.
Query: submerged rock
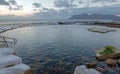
pixel 91 65
pixel 100 30
pixel 111 62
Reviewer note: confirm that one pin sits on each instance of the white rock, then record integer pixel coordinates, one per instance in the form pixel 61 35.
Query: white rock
pixel 9 60
pixel 83 70
pixel 17 69
pixel 6 51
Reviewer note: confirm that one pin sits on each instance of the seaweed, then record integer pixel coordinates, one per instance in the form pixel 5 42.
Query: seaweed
pixel 108 50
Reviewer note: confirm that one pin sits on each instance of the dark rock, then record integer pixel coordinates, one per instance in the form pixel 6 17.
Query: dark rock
pixel 111 62
pixel 91 65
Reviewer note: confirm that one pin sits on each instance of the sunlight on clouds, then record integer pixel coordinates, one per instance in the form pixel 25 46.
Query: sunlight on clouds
pixel 17 13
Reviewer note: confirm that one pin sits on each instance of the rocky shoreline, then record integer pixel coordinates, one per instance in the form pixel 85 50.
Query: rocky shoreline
pixel 108 62
pixel 12 64
pixel 109 66
pixel 9 26
pixel 108 24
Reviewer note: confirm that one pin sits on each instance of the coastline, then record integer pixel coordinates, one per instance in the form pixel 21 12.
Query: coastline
pixel 7 27
pixel 27 25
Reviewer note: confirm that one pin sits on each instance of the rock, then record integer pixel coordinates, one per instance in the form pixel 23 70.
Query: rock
pixel 91 65
pixel 111 62
pixel 6 51
pixel 100 69
pixel 83 70
pixel 17 69
pixel 118 62
pixel 115 53
pixel 9 60
pixel 12 64
pixel 100 30
pixel 28 72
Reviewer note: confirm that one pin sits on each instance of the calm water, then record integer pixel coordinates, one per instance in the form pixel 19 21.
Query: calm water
pixel 58 49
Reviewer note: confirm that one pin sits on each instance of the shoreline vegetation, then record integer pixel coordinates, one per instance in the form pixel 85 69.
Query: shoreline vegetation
pixel 9 26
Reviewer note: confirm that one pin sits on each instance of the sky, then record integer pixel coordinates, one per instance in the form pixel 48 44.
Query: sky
pixel 56 9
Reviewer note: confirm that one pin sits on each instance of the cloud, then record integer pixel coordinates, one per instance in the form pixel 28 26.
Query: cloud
pixel 37 5
pixel 81 1
pixel 3 2
pixel 97 3
pixel 66 8
pixel 16 7
pixel 64 3
pixel 115 10
pixel 45 9
pixel 104 0
pixel 68 12
pixel 13 2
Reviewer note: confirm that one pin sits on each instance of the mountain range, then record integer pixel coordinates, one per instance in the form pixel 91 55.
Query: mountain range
pixel 94 17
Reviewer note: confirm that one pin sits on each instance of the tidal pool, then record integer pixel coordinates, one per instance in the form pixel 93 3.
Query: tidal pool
pixel 58 49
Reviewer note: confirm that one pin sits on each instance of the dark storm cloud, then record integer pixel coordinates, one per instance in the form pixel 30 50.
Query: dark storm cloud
pixel 3 2
pixel 64 3
pixel 37 5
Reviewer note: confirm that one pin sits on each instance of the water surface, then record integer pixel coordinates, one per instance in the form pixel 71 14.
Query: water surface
pixel 57 49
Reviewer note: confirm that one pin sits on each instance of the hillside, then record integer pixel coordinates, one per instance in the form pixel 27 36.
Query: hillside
pixel 95 17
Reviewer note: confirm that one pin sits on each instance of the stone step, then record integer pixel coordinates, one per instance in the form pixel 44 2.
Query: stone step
pixel 9 60
pixel 17 69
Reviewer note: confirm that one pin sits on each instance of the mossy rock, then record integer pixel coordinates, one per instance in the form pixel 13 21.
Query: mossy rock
pixel 108 52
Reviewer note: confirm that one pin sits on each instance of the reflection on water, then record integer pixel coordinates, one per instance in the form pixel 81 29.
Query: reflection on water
pixel 58 49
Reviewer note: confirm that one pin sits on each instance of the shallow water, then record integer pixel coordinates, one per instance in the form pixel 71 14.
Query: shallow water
pixel 57 49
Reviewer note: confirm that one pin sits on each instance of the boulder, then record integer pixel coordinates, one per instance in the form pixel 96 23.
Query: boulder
pixel 17 69
pixel 6 51
pixel 111 62
pixel 84 70
pixel 91 65
pixel 113 52
pixel 12 64
pixel 9 60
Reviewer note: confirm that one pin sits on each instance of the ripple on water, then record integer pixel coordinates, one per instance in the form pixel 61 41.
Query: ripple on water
pixel 59 49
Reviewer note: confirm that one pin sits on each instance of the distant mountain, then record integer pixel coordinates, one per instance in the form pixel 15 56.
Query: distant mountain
pixel 95 17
